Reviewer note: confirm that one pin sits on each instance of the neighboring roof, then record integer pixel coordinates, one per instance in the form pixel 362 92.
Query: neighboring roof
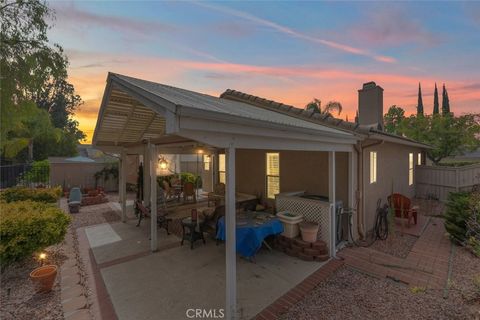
pixel 324 119
pixel 186 98
pixel 86 154
pixel 79 159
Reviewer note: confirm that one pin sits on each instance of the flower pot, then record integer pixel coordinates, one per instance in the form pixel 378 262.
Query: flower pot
pixel 309 231
pixel 44 277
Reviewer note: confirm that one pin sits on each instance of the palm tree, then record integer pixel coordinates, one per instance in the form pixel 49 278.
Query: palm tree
pixel 316 106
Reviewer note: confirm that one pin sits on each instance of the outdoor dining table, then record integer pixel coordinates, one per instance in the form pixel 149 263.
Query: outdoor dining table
pixel 251 230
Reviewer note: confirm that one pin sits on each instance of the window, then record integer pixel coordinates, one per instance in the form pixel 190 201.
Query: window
pixel 373 166
pixel 206 162
pixel 410 169
pixel 221 168
pixel 419 159
pixel 273 175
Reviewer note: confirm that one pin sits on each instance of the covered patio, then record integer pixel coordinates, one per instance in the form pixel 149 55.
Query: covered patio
pixel 148 119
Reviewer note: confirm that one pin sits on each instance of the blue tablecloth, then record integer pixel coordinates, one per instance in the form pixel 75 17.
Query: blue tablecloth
pixel 249 237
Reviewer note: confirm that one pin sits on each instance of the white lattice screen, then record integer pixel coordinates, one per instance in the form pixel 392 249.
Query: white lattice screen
pixel 312 210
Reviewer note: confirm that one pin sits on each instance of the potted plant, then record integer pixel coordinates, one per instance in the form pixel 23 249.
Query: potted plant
pixel 43 277
pixel 309 231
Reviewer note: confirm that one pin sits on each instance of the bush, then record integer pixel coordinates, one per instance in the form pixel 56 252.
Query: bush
pixel 50 195
pixel 38 173
pixel 29 226
pixel 473 225
pixel 457 214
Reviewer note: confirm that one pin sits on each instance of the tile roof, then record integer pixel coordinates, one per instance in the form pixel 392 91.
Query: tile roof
pixel 324 119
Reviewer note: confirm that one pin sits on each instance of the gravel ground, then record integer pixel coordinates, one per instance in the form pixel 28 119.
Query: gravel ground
pixel 465 283
pixel 18 297
pixel 399 246
pixel 95 214
pixel 352 295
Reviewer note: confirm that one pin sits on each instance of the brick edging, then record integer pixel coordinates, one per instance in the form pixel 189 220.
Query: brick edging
pixel 294 295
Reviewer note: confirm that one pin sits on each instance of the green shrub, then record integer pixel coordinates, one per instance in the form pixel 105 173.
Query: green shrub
pixel 473 224
pixel 460 209
pixel 456 216
pixel 35 194
pixel 39 172
pixel 29 226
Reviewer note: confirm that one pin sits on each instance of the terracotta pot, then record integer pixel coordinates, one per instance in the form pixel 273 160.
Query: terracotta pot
pixel 44 277
pixel 309 231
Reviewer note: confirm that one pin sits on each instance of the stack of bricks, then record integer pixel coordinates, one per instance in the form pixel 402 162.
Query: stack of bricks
pixel 316 251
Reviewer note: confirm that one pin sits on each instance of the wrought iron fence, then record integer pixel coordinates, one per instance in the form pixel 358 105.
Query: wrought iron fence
pixel 26 175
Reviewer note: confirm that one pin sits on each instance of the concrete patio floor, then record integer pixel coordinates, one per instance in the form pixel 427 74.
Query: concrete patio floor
pixel 165 284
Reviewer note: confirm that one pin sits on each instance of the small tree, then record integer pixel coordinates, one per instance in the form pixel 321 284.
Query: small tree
pixel 316 106
pixel 393 118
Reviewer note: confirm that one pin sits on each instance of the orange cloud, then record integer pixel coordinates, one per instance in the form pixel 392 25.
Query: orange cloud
pixel 295 85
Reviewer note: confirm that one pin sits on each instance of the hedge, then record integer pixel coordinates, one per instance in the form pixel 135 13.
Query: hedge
pixel 457 214
pixel 27 227
pixel 49 195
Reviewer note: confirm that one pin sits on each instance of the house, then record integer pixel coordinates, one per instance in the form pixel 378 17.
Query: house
pixel 259 147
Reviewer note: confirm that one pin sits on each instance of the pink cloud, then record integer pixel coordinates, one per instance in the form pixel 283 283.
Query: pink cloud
pixel 392 26
pixel 296 34
pixel 69 15
pixel 295 85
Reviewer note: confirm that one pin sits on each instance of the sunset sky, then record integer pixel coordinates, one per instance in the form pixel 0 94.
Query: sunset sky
pixel 285 51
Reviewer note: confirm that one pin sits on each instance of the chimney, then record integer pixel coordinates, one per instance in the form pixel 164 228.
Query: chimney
pixel 370 105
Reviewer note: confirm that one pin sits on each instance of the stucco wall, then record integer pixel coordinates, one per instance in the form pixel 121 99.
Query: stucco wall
pixel 392 174
pixel 299 170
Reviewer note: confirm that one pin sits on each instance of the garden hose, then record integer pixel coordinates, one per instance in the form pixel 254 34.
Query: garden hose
pixel 380 230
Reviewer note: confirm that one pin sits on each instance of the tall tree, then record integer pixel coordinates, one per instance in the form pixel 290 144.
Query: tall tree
pixel 393 118
pixel 435 100
pixel 316 106
pixel 33 71
pixel 420 101
pixel 445 101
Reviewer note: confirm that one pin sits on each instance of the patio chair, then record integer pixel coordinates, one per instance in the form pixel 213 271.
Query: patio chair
pixel 189 191
pixel 217 195
pixel 162 219
pixel 402 206
pixel 74 200
pixel 168 190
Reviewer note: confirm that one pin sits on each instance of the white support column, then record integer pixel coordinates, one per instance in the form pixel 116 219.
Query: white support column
pixel 230 243
pixel 146 175
pixel 352 187
pixel 123 185
pixel 332 199
pixel 153 161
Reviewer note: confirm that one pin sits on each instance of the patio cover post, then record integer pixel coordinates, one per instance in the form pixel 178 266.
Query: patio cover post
pixel 146 175
pixel 331 195
pixel 153 161
pixel 351 188
pixel 123 185
pixel 230 243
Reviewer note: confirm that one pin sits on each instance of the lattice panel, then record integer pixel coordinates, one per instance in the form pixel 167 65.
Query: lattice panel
pixel 312 210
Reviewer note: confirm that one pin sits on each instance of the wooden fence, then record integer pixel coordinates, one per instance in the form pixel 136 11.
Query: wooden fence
pixel 438 182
